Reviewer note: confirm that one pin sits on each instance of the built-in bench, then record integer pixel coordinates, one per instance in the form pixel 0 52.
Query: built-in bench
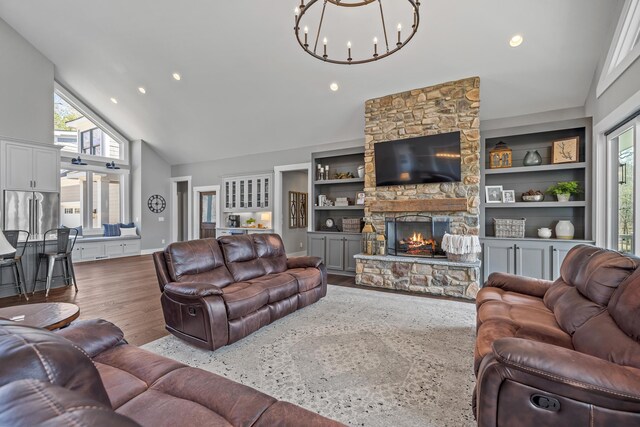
pixel 92 248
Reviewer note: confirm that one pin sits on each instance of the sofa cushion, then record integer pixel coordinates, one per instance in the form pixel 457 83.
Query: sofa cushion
pixel 270 250
pixel 624 306
pixel 243 298
pixel 308 278
pixel 492 330
pixel 518 314
pixel 241 257
pixel 32 353
pixel 279 286
pixel 497 294
pixel 197 261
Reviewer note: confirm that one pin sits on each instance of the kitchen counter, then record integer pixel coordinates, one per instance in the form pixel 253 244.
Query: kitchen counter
pixel 245 228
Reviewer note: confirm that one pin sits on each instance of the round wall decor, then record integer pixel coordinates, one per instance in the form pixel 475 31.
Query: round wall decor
pixel 156 203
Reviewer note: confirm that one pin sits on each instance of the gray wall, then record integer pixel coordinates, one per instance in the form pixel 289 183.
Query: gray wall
pixel 26 89
pixel 150 175
pixel 211 173
pixel 293 237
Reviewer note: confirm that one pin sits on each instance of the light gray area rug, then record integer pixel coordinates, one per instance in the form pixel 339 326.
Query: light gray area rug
pixel 362 357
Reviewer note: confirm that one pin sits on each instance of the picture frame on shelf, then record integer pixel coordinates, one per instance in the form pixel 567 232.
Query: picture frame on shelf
pixel 493 194
pixel 508 196
pixel 565 150
pixel 360 198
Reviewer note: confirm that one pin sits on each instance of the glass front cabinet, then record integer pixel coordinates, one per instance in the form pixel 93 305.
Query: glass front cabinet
pixel 248 193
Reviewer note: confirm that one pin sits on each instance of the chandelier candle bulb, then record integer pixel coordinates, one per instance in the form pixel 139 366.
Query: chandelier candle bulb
pixel 375 47
pixel 306 35
pixel 399 34
pixel 349 51
pixel 324 42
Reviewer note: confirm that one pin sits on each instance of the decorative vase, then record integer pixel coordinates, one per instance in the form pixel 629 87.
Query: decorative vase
pixel 565 230
pixel 532 158
pixel 544 233
pixel 361 171
pixel 563 197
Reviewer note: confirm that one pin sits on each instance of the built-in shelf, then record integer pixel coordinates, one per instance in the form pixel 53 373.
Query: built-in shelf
pixel 541 168
pixel 539 239
pixel 340 208
pixel 537 205
pixel 338 181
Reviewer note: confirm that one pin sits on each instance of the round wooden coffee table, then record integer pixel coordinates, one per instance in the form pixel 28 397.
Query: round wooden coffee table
pixel 49 315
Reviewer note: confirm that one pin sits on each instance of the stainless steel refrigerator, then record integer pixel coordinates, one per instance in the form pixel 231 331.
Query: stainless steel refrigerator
pixel 33 211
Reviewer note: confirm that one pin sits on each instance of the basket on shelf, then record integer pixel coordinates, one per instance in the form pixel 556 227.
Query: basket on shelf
pixel 513 228
pixel 351 225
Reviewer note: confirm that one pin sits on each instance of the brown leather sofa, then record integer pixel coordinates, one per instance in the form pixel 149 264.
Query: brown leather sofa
pixel 563 353
pixel 87 375
pixel 216 292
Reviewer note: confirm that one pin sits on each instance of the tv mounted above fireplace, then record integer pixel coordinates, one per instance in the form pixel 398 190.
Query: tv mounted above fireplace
pixel 422 160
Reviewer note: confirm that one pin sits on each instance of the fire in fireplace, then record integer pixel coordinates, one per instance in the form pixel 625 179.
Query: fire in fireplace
pixel 416 235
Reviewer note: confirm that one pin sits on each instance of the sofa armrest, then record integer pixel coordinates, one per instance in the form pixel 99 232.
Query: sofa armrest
pixel 93 336
pixel 566 367
pixel 288 414
pixel 519 284
pixel 192 290
pixel 303 262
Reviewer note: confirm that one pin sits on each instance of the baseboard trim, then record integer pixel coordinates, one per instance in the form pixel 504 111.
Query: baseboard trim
pixel 150 251
pixel 300 253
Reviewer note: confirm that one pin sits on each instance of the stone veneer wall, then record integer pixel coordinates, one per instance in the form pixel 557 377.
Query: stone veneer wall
pixel 447 107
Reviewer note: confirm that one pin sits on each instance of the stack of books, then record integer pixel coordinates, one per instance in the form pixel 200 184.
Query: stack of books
pixel 342 201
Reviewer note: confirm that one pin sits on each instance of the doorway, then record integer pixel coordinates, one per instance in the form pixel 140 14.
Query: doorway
pixel 208 214
pixel 295 178
pixel 180 208
pixel 206 208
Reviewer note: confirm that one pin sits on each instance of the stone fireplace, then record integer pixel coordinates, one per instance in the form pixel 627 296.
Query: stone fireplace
pixel 416 235
pixel 413 262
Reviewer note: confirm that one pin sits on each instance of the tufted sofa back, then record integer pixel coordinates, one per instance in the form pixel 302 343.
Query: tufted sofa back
pixel 597 301
pixel 197 261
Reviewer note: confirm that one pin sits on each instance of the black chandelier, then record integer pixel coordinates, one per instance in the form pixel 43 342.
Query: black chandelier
pixel 376 51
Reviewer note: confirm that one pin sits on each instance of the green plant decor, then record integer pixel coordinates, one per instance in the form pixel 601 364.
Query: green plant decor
pixel 251 221
pixel 569 187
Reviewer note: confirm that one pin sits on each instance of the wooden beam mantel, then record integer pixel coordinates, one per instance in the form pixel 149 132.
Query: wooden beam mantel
pixel 421 205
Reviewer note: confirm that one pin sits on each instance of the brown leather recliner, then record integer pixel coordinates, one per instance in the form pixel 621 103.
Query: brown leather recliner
pixel 563 353
pixel 87 375
pixel 216 292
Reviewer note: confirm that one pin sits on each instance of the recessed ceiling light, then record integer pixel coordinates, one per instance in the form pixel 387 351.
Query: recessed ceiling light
pixel 142 90
pixel 334 87
pixel 177 76
pixel 115 101
pixel 516 40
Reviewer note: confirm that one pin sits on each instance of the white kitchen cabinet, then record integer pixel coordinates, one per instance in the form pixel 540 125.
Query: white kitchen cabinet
pixel 31 167
pixel 248 193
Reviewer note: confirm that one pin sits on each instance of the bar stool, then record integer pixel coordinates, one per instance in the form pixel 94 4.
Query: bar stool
pixel 15 260
pixel 65 239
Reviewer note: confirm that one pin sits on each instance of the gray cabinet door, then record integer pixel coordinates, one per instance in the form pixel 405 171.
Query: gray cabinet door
pixel 533 260
pixel 498 256
pixel 316 245
pixel 335 252
pixel 352 246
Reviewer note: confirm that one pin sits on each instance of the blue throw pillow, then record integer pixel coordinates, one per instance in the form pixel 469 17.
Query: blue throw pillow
pixel 130 225
pixel 111 230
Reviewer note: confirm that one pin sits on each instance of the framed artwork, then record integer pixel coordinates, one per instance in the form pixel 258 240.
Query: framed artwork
pixel 493 193
pixel 508 196
pixel 565 150
pixel 298 209
pixel 360 198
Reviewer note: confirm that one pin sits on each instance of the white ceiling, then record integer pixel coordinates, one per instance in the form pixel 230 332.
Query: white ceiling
pixel 247 86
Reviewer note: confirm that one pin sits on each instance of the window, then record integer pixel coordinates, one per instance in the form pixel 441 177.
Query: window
pixel 72 194
pixel 79 135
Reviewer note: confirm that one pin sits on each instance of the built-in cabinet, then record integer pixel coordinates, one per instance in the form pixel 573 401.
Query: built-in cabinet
pixel 112 248
pixel 336 249
pixel 537 258
pixel 248 193
pixel 30 167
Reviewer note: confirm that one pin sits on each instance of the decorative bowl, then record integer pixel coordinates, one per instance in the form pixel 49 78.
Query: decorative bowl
pixel 536 198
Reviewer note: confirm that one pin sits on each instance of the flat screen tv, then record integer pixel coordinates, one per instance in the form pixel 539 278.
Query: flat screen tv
pixel 422 160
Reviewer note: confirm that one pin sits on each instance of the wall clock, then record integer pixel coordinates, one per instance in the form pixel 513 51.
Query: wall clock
pixel 156 203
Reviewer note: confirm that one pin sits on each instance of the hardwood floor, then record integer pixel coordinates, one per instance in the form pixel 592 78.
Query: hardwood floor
pixel 123 291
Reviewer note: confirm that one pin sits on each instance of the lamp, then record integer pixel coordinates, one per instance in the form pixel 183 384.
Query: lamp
pixel 344 56
pixel 5 247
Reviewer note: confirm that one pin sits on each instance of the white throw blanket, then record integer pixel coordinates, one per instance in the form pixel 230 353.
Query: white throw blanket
pixel 461 245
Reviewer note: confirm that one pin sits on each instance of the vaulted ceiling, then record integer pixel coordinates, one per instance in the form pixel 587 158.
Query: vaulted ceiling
pixel 247 87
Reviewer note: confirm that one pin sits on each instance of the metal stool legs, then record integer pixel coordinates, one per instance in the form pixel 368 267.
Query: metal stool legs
pixel 18 275
pixel 72 271
pixel 68 272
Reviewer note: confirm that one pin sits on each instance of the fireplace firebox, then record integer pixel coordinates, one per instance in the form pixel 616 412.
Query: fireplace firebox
pixel 416 235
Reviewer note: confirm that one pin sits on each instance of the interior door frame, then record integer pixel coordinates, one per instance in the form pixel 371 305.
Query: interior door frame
pixel 195 229
pixel 174 207
pixel 278 214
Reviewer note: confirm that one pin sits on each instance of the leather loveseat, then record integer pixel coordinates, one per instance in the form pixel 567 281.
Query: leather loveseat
pixel 563 353
pixel 87 375
pixel 216 292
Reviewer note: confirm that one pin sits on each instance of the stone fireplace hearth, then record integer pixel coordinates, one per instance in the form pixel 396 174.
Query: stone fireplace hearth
pixel 412 263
